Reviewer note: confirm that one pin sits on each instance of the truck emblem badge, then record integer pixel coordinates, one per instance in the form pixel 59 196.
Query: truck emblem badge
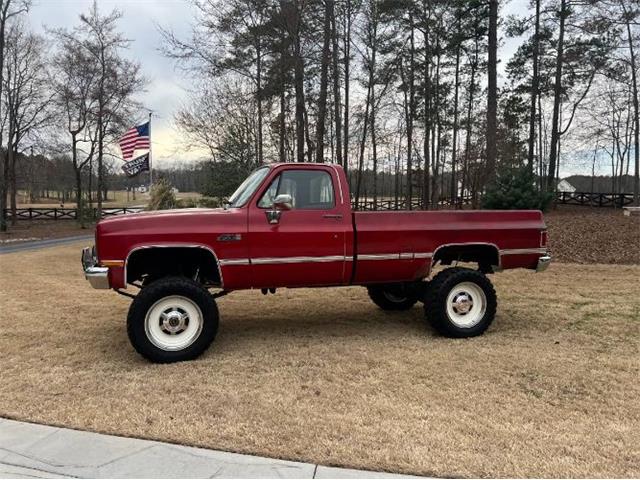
pixel 229 237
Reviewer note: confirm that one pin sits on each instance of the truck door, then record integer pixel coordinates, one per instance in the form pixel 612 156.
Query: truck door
pixel 306 245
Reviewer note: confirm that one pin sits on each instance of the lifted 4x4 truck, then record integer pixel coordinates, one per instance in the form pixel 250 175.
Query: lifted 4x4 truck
pixel 291 225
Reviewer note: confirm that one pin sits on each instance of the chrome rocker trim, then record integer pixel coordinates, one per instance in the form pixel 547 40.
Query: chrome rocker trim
pixel 281 260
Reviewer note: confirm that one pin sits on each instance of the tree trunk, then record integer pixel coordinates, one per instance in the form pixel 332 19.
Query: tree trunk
pixel 636 114
pixel 374 147
pixel 336 85
pixel 454 145
pixel 5 160
pixel 282 128
pixel 534 91
pixel 435 150
pixel 283 109
pixel 363 143
pixel 347 61
pixel 412 112
pixel 427 110
pixel 78 173
pixel 324 81
pixel 259 98
pixel 298 79
pixel 307 136
pixel 13 155
pixel 6 177
pixel 472 88
pixel 492 94
pixel 557 99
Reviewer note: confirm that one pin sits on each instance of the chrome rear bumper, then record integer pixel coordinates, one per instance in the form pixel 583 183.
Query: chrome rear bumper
pixel 543 263
pixel 97 276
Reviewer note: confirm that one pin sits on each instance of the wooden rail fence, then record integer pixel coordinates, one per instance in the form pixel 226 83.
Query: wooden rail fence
pixel 587 199
pixel 401 204
pixel 66 213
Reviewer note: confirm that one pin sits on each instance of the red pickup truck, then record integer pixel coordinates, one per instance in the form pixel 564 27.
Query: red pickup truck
pixel 291 225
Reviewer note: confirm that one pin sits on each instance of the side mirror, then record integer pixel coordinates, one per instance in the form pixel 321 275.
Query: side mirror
pixel 281 203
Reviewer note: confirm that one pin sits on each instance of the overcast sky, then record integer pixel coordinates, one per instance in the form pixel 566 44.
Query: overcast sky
pixel 166 89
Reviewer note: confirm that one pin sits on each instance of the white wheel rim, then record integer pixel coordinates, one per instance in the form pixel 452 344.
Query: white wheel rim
pixel 173 323
pixel 466 304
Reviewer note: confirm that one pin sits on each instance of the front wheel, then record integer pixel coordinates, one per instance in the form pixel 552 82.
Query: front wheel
pixel 171 320
pixel 460 303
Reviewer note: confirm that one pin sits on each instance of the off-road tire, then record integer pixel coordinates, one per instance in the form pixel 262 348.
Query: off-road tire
pixel 435 304
pixel 390 301
pixel 155 292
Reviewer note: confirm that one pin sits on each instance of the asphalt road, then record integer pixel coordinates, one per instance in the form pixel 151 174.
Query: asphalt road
pixel 35 245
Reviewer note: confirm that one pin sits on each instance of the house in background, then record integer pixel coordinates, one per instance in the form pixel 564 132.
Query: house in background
pixel 565 186
pixel 599 184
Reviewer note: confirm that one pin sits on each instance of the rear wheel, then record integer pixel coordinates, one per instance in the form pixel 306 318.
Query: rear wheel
pixel 171 320
pixel 460 302
pixel 394 296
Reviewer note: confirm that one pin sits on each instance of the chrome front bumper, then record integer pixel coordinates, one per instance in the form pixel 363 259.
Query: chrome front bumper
pixel 97 276
pixel 543 263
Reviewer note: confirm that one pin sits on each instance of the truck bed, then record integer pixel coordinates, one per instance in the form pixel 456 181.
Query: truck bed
pixel 414 238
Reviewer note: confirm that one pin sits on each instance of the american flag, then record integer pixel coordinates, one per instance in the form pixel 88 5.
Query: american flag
pixel 136 138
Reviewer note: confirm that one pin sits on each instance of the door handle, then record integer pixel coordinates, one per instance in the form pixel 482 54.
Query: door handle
pixel 336 216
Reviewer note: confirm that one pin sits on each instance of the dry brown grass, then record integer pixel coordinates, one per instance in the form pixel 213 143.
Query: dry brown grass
pixel 552 389
pixel 593 235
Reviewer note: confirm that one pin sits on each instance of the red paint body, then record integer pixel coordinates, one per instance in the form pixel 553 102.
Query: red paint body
pixel 321 247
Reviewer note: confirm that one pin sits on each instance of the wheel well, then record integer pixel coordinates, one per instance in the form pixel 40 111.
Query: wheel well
pixel 486 256
pixel 148 264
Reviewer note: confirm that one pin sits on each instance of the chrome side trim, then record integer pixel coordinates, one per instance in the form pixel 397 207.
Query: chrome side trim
pixel 173 245
pixel 282 260
pixel 234 261
pixel 379 256
pixel 325 259
pixel 522 251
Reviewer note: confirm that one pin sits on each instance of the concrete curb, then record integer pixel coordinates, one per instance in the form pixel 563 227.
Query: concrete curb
pixel 29 450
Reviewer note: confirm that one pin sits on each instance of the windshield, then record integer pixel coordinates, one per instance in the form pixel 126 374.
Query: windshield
pixel 246 189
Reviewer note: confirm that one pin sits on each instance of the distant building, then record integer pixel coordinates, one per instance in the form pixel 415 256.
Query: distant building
pixel 598 184
pixel 565 186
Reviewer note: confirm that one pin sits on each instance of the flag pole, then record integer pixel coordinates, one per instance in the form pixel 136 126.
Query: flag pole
pixel 150 164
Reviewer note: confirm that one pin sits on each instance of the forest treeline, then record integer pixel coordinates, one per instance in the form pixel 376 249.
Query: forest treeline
pixel 410 87
pixel 410 96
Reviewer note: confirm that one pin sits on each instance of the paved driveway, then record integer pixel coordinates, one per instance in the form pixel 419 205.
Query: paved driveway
pixel 52 242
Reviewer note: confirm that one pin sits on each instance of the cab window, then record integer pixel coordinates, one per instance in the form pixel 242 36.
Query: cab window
pixel 309 190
